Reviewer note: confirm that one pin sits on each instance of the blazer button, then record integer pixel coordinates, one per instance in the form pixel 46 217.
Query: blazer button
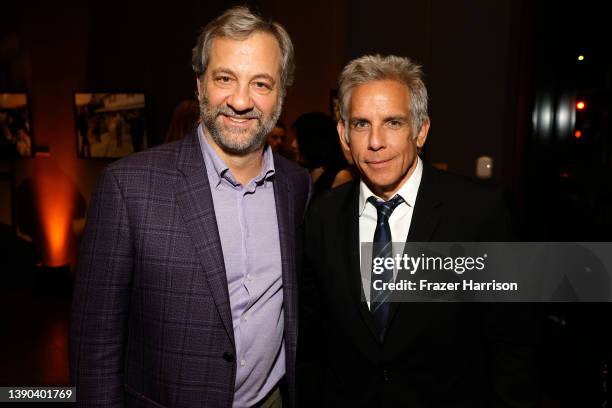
pixel 228 356
pixel 386 375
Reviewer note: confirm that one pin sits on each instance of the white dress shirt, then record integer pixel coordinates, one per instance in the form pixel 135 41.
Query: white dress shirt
pixel 399 221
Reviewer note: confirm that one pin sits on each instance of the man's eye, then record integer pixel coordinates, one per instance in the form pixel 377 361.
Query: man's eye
pixel 224 79
pixel 360 125
pixel 395 124
pixel 262 86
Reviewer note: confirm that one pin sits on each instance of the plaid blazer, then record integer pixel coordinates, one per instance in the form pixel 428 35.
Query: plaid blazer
pixel 151 320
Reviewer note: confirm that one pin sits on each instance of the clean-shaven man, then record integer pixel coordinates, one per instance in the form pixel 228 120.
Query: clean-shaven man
pixel 361 350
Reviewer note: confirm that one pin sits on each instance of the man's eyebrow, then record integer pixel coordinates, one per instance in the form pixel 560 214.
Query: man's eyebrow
pixel 400 118
pixel 222 70
pixel 358 119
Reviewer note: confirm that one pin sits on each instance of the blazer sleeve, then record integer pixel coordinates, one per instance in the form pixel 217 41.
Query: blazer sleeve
pixel 101 299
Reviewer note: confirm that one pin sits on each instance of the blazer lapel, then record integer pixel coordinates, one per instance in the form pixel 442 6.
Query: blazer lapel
pixel 425 217
pixel 194 199
pixel 349 233
pixel 285 212
pixel 426 212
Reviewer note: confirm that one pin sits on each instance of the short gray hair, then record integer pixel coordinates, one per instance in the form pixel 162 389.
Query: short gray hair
pixel 377 68
pixel 238 23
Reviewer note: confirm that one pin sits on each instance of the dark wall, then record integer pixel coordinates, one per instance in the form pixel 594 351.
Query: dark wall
pixel 150 49
pixel 469 51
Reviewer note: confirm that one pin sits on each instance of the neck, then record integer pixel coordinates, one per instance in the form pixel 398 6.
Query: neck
pixel 244 167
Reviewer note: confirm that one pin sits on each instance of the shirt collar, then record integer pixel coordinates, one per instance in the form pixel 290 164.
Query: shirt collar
pixel 408 191
pixel 217 169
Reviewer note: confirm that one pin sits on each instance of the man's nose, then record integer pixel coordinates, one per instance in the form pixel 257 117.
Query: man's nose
pixel 376 140
pixel 240 99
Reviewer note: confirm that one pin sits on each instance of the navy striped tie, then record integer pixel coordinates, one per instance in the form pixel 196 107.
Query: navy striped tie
pixel 382 248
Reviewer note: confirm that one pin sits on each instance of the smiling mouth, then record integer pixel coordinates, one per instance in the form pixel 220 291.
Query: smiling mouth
pixel 378 163
pixel 235 121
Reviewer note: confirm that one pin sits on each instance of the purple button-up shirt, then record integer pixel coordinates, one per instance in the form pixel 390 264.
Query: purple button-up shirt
pixel 248 227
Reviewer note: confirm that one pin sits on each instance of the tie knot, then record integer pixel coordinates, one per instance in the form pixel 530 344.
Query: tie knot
pixel 385 208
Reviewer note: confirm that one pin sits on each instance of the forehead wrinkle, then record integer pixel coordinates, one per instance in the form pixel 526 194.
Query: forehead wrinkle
pixel 378 106
pixel 243 56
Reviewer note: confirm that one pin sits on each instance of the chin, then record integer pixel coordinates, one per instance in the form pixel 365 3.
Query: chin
pixel 237 131
pixel 379 185
pixel 382 180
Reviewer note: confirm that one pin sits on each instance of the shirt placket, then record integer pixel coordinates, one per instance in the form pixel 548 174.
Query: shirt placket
pixel 243 194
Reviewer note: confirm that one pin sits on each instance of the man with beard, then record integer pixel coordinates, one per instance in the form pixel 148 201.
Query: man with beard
pixel 186 288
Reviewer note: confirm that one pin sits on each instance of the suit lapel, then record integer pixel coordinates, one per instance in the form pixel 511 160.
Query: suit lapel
pixel 194 199
pixel 425 216
pixel 426 212
pixel 349 230
pixel 284 212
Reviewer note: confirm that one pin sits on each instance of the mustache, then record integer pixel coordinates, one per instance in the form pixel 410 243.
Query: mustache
pixel 227 111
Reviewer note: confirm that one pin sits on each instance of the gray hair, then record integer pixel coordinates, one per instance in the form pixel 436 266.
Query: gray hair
pixel 377 68
pixel 238 23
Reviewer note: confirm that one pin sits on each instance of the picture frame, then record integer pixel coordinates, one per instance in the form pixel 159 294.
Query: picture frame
pixel 110 125
pixel 16 133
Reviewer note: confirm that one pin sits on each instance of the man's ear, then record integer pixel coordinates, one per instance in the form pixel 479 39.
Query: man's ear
pixel 422 136
pixel 198 87
pixel 342 135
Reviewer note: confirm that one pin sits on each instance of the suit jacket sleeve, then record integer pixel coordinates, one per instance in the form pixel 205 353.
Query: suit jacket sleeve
pixel 101 299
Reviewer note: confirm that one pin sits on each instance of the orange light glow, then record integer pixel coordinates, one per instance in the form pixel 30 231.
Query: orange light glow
pixel 54 197
pixel 580 105
pixel 578 134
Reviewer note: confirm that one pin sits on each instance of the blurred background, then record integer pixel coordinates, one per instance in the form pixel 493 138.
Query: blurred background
pixel 520 96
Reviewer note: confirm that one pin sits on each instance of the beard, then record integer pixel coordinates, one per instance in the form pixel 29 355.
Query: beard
pixel 238 141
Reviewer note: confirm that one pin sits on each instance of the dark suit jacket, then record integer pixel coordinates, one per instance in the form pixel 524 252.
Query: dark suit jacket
pixel 151 318
pixel 433 354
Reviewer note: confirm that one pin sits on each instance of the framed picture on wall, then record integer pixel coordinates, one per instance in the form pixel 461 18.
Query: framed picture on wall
pixel 109 125
pixel 16 136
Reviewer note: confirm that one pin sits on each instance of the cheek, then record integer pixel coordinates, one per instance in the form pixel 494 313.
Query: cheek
pixel 409 154
pixel 216 96
pixel 358 148
pixel 265 103
pixel 215 100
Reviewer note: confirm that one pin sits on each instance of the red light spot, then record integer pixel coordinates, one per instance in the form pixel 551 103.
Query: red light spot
pixel 564 175
pixel 578 134
pixel 580 105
